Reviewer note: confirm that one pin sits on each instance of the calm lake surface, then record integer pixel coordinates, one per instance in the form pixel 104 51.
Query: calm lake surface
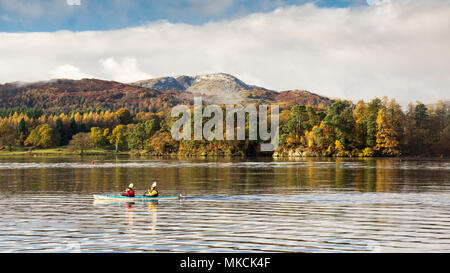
pixel 232 205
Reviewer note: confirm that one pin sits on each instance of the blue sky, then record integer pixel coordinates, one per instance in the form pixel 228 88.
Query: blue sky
pixel 54 15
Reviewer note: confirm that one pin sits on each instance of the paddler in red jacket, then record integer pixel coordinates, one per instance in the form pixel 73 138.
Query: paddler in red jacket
pixel 129 191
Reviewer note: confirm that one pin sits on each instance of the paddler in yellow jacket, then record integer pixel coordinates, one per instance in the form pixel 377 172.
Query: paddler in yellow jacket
pixel 153 192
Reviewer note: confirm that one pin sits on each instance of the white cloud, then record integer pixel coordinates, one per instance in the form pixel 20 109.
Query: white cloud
pixel 73 2
pixel 68 71
pixel 125 71
pixel 398 49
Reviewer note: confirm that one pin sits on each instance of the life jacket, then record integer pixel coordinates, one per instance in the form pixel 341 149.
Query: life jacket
pixel 129 193
pixel 153 193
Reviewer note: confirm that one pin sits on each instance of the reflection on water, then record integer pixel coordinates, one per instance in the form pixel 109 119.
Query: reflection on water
pixel 320 205
pixel 129 214
pixel 153 212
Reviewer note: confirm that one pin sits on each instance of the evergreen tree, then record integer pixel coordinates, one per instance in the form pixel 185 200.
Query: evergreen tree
pixel 371 121
pixel 22 131
pixel 340 118
pixel 73 127
pixel 59 128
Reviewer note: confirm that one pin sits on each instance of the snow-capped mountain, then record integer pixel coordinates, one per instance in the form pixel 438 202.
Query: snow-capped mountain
pixel 214 83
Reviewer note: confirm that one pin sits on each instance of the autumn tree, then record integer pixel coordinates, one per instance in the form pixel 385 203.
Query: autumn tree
pixel 141 134
pixel 360 116
pixel 124 116
pixel 386 137
pixel 7 135
pixel 302 119
pixel 99 136
pixel 163 143
pixel 119 137
pixel 80 141
pixel 42 136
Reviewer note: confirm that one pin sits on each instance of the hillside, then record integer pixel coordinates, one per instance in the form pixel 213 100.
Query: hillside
pixel 87 94
pixel 289 97
pixel 65 95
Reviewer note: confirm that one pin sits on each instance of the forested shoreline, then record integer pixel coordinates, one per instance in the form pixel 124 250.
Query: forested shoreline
pixel 376 128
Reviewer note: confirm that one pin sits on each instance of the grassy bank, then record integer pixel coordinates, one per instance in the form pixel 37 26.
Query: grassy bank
pixel 57 151
pixel 64 150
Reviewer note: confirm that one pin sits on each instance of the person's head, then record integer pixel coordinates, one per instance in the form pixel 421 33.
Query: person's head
pixel 131 186
pixel 154 185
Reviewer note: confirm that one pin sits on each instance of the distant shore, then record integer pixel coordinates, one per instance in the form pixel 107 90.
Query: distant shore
pixel 64 151
pixel 59 151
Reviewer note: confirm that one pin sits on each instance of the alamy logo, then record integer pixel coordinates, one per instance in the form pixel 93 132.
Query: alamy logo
pixel 213 129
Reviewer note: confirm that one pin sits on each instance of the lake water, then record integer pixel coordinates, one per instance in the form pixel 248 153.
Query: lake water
pixel 231 205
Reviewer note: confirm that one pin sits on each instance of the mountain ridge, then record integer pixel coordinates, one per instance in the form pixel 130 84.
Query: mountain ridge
pixel 65 95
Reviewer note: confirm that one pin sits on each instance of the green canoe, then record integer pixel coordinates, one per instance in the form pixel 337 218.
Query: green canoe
pixel 136 198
